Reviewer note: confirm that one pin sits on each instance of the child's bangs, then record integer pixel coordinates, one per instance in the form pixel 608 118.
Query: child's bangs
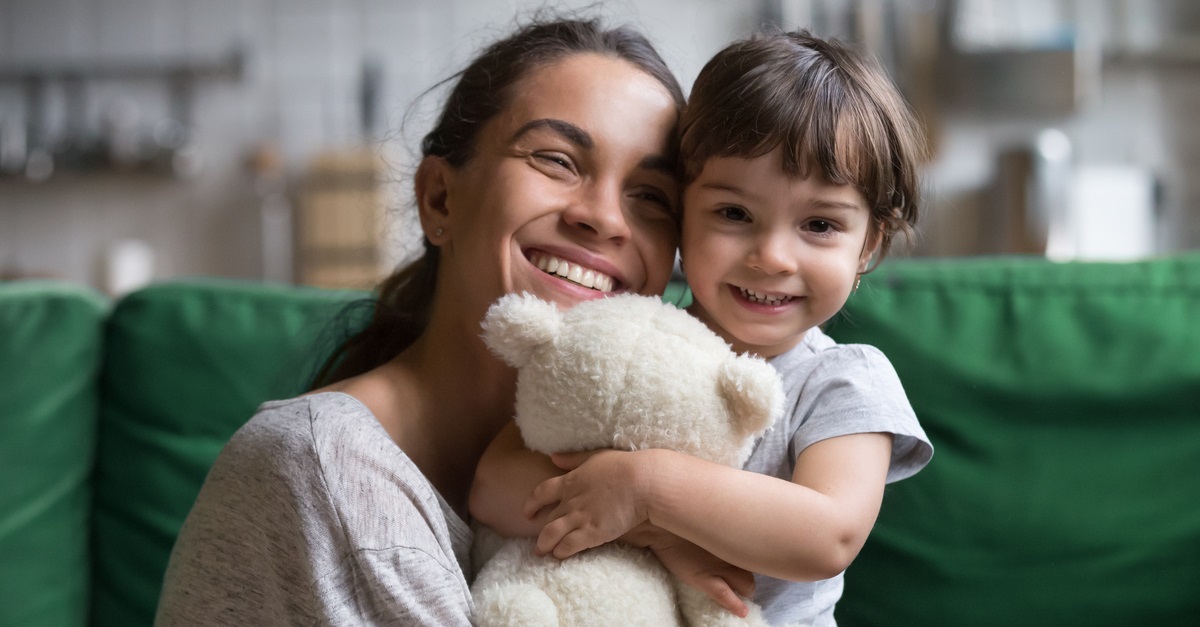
pixel 842 140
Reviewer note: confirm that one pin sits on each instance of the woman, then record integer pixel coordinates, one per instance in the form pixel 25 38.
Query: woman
pixel 347 505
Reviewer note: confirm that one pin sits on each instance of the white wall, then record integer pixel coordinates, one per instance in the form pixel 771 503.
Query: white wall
pixel 299 93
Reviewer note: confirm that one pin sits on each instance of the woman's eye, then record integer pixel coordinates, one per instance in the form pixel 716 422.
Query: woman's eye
pixel 556 159
pixel 734 214
pixel 655 197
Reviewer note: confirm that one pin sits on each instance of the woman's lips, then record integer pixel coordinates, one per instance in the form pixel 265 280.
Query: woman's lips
pixel 572 271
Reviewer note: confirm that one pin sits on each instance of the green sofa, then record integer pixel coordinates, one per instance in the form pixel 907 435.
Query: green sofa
pixel 1063 401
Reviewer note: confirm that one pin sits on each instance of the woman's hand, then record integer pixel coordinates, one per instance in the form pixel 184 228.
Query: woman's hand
pixel 721 581
pixel 597 501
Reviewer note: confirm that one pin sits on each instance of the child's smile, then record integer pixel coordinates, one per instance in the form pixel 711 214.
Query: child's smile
pixel 763 301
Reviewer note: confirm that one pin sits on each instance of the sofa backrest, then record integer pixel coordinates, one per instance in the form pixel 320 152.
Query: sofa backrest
pixel 1063 401
pixel 185 365
pixel 50 348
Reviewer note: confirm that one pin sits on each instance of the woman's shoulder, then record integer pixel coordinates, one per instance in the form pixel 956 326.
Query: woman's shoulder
pixel 282 431
pixel 327 447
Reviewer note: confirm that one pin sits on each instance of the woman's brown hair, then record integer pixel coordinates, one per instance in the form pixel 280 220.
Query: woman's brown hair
pixel 401 304
pixel 827 105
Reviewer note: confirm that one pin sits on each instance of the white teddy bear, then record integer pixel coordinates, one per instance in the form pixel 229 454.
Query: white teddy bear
pixel 627 372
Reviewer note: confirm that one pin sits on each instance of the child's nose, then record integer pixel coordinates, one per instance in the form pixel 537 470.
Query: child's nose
pixel 773 254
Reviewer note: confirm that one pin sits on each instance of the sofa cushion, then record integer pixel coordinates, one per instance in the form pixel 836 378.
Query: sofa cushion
pixel 50 346
pixel 1064 404
pixel 186 364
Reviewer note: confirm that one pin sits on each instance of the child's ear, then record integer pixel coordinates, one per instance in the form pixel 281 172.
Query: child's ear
pixel 870 246
pixel 431 185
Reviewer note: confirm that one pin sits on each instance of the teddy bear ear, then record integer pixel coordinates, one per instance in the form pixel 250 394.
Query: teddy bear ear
pixel 752 392
pixel 516 325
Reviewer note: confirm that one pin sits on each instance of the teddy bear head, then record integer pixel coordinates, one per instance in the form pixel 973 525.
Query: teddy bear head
pixel 630 372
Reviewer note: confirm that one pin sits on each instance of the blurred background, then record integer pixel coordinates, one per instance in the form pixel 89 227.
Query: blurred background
pixel 273 139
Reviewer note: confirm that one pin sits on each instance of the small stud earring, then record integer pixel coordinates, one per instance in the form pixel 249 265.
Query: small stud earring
pixel 857 280
pixel 438 232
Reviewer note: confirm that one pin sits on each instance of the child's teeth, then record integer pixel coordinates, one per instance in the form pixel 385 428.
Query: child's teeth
pixel 765 299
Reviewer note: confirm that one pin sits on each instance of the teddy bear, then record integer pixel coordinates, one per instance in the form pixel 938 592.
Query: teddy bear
pixel 627 372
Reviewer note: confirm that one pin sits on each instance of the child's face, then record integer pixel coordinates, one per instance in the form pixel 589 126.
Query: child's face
pixel 769 256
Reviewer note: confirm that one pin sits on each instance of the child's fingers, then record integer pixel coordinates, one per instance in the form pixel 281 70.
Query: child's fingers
pixel 572 543
pixel 546 493
pixel 551 535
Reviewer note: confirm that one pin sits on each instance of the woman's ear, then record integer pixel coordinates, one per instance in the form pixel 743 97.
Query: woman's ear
pixel 431 185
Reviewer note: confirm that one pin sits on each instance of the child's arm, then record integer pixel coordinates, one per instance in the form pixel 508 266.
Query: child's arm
pixel 807 529
pixel 508 473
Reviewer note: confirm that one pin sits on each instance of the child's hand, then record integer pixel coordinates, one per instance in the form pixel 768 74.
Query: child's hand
pixel 597 501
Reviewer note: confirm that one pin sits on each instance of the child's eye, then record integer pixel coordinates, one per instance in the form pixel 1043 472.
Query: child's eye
pixel 734 214
pixel 820 227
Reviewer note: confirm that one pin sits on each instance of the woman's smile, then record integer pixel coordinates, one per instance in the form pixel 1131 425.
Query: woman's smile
pixel 573 271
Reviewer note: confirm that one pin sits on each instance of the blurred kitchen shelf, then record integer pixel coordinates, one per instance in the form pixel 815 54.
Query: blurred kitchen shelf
pixel 229 66
pixel 1183 53
pixel 340 221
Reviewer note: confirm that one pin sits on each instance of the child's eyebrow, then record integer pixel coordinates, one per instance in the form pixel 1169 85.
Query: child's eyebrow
pixel 568 131
pixel 725 187
pixel 831 204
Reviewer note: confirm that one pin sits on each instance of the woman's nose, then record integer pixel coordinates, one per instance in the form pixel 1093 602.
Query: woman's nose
pixel 773 254
pixel 599 209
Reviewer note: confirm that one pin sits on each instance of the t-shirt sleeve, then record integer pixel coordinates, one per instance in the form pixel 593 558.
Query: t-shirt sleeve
pixel 855 389
pixel 271 541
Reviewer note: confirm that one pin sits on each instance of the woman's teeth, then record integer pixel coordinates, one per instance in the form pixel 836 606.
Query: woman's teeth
pixel 573 272
pixel 765 299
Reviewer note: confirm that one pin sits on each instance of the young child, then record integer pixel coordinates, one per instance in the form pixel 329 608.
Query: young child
pixel 800 163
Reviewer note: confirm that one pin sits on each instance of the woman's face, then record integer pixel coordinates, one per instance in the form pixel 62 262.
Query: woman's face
pixel 570 193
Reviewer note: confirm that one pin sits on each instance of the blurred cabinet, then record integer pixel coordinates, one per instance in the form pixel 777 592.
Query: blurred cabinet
pixel 339 229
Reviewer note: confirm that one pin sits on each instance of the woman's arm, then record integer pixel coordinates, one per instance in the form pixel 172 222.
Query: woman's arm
pixel 506 475
pixel 807 529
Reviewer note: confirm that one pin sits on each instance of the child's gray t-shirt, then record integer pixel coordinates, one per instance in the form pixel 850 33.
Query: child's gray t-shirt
pixel 312 515
pixel 831 390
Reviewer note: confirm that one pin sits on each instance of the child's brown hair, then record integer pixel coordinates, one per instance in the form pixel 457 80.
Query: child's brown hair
pixel 827 105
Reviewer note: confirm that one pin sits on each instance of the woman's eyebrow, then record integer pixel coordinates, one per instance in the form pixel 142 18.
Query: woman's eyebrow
pixel 568 131
pixel 658 163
